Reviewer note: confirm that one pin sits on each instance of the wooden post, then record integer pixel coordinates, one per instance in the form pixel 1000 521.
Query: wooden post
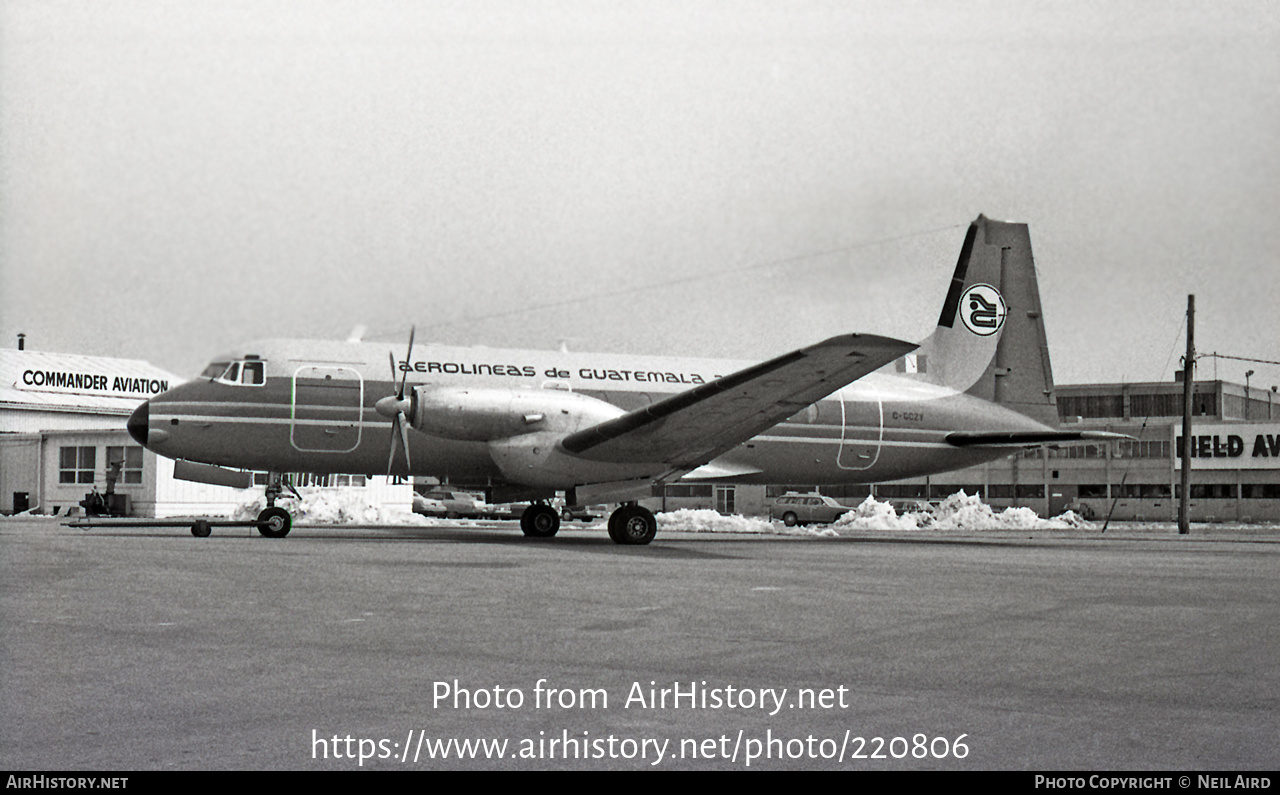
pixel 1188 390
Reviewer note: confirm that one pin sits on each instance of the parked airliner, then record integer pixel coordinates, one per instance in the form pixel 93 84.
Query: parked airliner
pixel 528 425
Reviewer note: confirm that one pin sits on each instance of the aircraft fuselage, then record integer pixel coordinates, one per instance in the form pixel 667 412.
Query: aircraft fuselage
pixel 309 406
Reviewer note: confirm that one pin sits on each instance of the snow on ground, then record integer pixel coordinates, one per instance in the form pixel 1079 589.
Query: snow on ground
pixel 707 521
pixel 325 506
pixel 958 512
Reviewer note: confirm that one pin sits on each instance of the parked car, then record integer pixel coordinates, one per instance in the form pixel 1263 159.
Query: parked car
pixel 585 513
pixel 796 509
pixel 449 504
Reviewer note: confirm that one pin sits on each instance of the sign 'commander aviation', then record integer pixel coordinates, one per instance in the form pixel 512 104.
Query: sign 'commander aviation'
pixel 107 385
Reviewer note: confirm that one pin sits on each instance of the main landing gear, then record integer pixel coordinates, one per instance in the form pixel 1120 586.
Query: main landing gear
pixel 632 523
pixel 540 520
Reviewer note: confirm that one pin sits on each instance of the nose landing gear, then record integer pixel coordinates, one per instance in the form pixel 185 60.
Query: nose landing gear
pixel 276 522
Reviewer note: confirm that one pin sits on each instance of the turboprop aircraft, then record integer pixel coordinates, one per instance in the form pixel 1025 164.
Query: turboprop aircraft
pixel 527 425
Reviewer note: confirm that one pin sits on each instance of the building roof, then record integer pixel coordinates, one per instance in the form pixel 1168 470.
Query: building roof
pixel 45 381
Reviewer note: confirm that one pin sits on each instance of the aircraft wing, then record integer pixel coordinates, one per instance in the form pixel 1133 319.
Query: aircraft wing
pixel 1029 438
pixel 692 427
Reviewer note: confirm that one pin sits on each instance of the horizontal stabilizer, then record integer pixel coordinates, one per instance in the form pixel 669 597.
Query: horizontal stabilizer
pixel 1029 438
pixel 692 427
pixel 721 469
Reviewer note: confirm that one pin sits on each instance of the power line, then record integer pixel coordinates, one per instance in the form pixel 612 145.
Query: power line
pixel 631 290
pixel 1216 355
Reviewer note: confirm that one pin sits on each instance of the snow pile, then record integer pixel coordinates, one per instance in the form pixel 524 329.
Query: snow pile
pixel 875 515
pixel 707 521
pixel 960 511
pixel 326 506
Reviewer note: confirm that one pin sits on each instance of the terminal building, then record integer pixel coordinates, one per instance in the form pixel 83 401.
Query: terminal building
pixel 62 436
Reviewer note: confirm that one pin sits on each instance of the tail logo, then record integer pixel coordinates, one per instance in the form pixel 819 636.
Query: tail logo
pixel 982 309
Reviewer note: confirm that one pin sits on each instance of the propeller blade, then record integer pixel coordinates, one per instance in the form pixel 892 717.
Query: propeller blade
pixel 391 460
pixel 403 422
pixel 408 357
pixel 386 406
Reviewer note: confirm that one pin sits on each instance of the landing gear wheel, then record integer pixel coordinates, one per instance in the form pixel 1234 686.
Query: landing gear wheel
pixel 539 521
pixel 790 519
pixel 275 522
pixel 632 525
pixel 201 529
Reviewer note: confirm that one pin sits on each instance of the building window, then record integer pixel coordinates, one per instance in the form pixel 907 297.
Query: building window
pixel 76 464
pixel 1260 491
pixel 1090 406
pixel 308 479
pixel 1030 491
pixel 1093 490
pixel 1144 491
pixel 130 459
pixel 853 491
pixel 901 491
pixel 1210 491
pixel 686 491
pixel 772 492
pixel 943 491
pixel 1079 451
pixel 1149 449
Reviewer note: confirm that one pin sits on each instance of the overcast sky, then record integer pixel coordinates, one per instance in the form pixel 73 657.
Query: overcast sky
pixel 696 178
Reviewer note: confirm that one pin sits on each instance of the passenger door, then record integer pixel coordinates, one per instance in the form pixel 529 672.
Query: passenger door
pixel 327 408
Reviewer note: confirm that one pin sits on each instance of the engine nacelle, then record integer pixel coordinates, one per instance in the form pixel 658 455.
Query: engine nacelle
pixel 485 414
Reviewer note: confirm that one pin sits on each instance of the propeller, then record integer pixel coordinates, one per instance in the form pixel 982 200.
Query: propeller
pixel 398 408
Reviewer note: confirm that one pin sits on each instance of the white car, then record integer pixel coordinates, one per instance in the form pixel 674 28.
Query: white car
pixel 449 504
pixel 794 509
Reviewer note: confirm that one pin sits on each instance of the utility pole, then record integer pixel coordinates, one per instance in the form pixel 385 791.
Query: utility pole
pixel 1188 388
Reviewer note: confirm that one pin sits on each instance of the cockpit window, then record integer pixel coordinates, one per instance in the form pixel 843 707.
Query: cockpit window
pixel 252 374
pixel 247 373
pixel 214 370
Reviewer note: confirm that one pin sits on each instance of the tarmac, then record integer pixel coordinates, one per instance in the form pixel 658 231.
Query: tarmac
pixel 472 647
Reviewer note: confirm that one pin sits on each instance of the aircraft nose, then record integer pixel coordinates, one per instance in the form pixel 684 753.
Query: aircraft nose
pixel 139 422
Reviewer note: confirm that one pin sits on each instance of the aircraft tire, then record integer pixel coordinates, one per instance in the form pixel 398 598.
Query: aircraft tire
pixel 790 519
pixel 201 529
pixel 632 525
pixel 539 521
pixel 275 523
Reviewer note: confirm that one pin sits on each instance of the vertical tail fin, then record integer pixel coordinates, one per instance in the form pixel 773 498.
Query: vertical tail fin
pixel 990 341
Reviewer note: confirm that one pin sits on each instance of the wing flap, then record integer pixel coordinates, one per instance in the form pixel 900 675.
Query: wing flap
pixel 692 427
